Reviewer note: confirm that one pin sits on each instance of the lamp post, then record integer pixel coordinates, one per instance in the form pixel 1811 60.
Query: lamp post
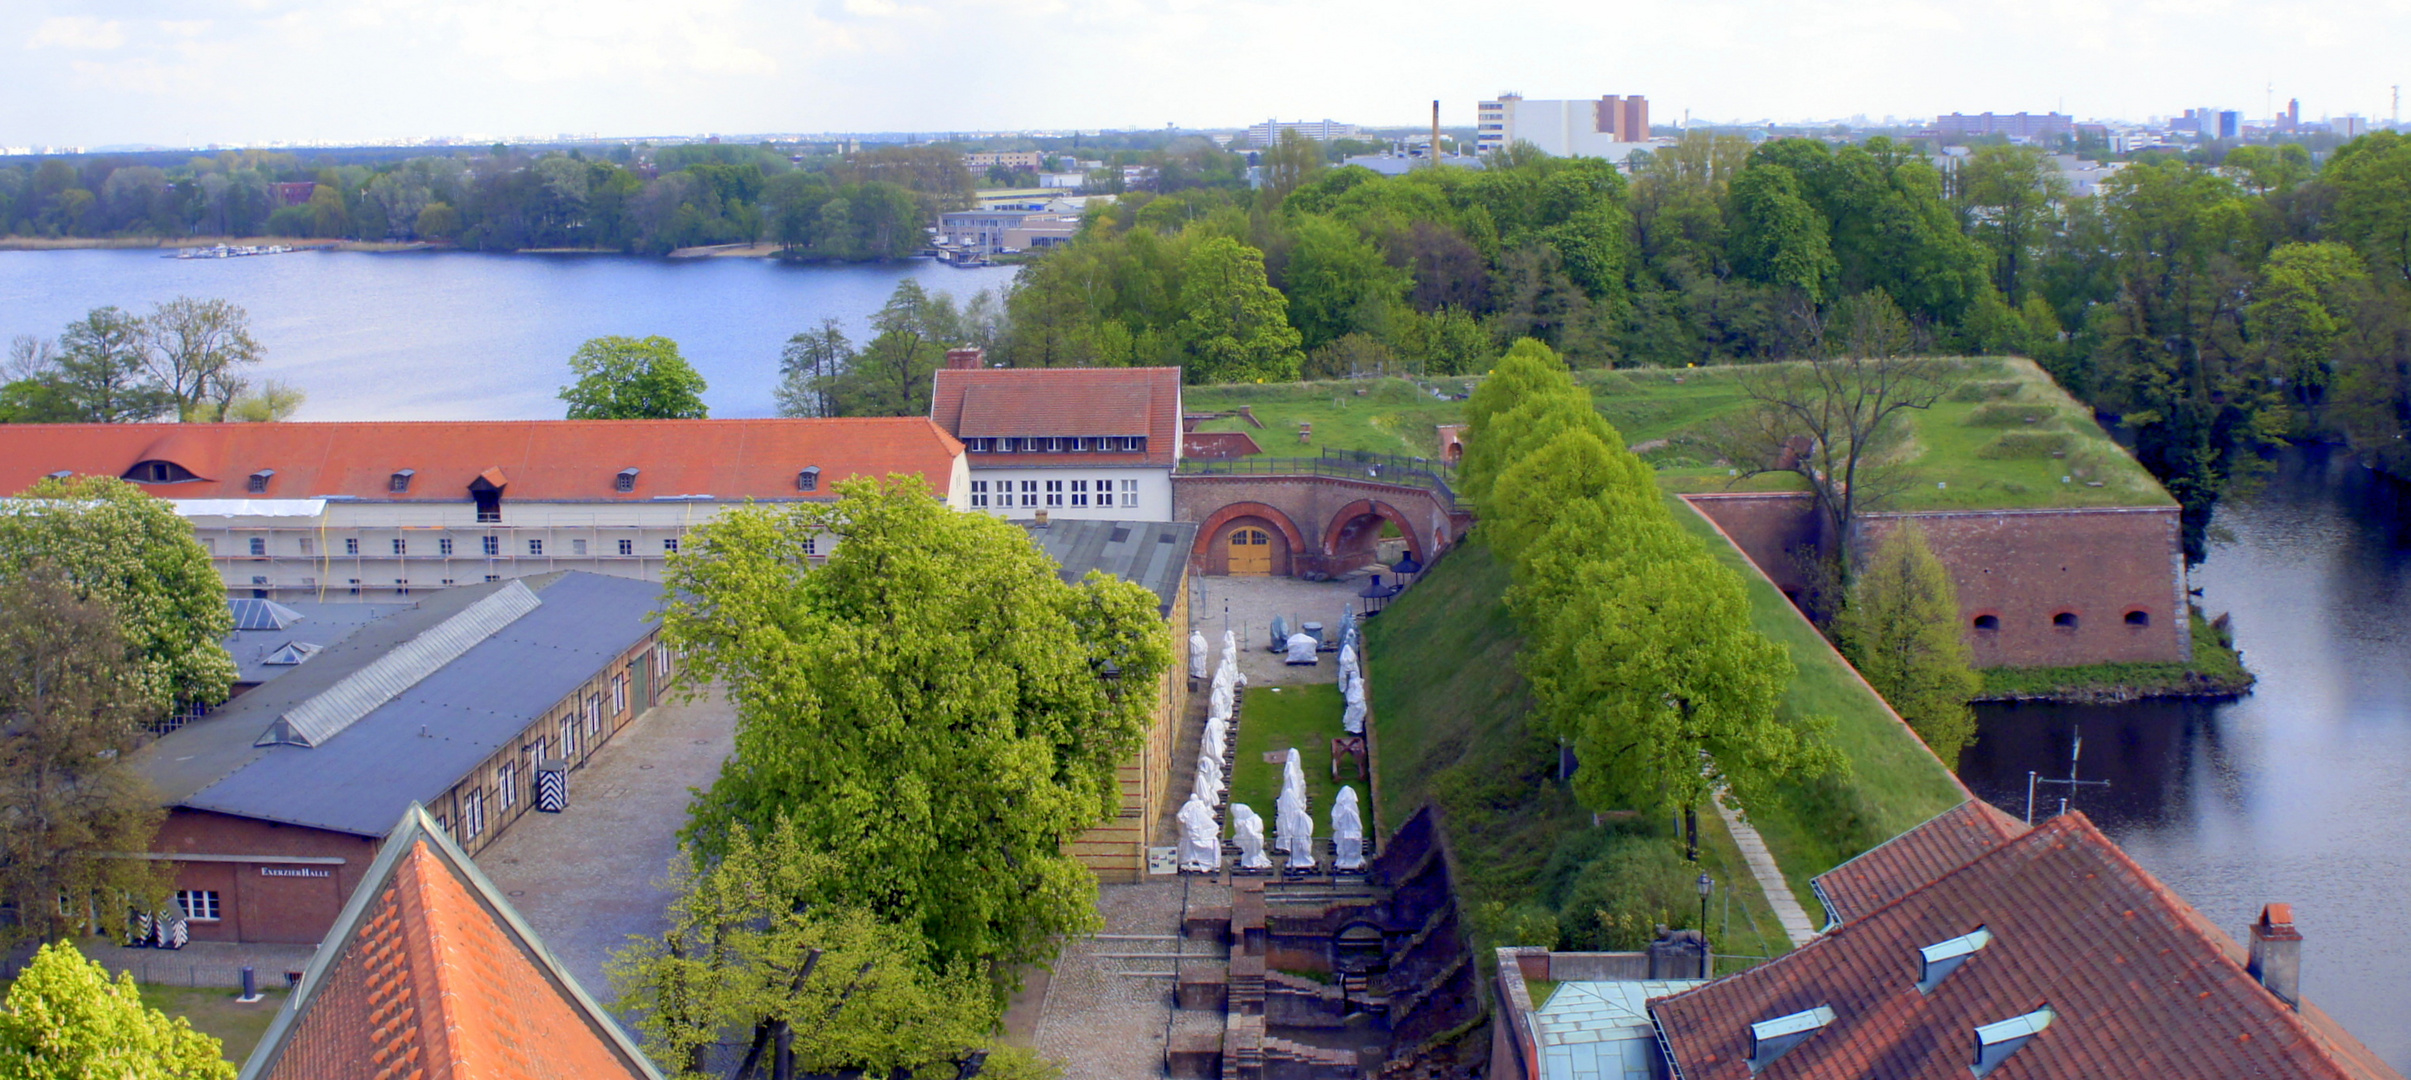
pixel 1707 886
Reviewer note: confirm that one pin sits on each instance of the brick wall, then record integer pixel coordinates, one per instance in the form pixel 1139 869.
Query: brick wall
pixel 2058 587
pixel 1116 851
pixel 1308 506
pixel 261 898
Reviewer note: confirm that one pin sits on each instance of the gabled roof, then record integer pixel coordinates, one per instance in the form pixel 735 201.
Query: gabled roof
pixel 429 973
pixel 975 403
pixel 1153 554
pixel 2139 984
pixel 1906 863
pixel 543 460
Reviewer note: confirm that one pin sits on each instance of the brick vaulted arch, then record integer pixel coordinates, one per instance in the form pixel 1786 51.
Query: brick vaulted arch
pixel 1353 512
pixel 1222 518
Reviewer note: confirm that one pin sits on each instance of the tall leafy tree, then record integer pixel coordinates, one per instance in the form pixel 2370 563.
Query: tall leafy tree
pixel 64 1019
pixel 1234 325
pixel 199 351
pixel 934 707
pixel 2298 314
pixel 71 707
pixel 2371 178
pixel 1901 630
pixel 1778 238
pixel 809 367
pixel 1337 283
pixel 2012 194
pixel 103 371
pixel 624 378
pixel 892 376
pixel 111 543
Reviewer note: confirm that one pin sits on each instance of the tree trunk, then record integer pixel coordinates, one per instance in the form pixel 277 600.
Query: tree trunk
pixel 1691 831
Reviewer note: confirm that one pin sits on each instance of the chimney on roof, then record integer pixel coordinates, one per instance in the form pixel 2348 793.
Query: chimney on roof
pixel 1042 519
pixel 966 359
pixel 2277 953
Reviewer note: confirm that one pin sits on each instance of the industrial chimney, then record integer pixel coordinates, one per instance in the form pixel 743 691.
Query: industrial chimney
pixel 2276 958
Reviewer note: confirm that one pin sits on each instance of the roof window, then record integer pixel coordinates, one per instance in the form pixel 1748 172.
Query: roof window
pixel 400 481
pixel 1771 1039
pixel 258 481
pixel 1937 961
pixel 1996 1041
pixel 159 472
pixel 62 474
pixel 625 481
pixel 808 479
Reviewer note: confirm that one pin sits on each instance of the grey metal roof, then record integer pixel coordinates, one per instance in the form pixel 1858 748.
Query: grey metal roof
pixel 1154 554
pixel 416 745
pixel 326 714
pixel 311 623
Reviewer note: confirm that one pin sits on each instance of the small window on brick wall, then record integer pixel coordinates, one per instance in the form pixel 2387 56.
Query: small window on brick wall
pixel 2138 618
pixel 2065 620
pixel 1988 622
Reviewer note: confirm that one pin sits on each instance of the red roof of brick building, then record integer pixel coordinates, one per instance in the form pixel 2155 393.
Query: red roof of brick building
pixel 540 460
pixel 2139 984
pixel 1910 861
pixel 976 403
pixel 430 975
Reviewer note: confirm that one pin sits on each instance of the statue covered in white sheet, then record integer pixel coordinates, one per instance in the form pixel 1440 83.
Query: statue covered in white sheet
pixel 1197 654
pixel 1247 830
pixel 1200 837
pixel 1347 832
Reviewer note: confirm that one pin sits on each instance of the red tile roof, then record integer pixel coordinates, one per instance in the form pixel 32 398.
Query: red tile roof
pixel 430 977
pixel 1908 862
pixel 2141 984
pixel 998 402
pixel 543 460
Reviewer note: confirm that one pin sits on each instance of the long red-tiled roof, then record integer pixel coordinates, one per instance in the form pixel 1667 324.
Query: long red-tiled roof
pixel 542 460
pixel 431 979
pixel 1906 863
pixel 999 402
pixel 2140 983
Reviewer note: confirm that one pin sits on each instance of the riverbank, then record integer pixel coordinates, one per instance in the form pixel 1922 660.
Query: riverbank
pixel 153 243
pixel 2217 673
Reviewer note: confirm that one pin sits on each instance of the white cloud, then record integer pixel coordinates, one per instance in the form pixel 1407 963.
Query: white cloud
pixel 77 32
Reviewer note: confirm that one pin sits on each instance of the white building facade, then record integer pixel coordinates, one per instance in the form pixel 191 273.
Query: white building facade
pixel 1098 443
pixel 1610 127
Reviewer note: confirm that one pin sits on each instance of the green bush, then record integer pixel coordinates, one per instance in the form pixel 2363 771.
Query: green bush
pixel 2011 414
pixel 1616 900
pixel 2027 444
pixel 2002 390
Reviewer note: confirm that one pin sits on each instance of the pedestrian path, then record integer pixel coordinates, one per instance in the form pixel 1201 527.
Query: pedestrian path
pixel 1788 911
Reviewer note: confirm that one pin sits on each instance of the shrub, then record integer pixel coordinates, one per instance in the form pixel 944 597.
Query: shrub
pixel 2001 390
pixel 1617 901
pixel 2027 444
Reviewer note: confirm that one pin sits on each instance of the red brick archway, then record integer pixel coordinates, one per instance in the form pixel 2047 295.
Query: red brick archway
pixel 1201 553
pixel 1338 532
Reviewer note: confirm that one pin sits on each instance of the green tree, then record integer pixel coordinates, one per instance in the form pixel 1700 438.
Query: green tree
pixel 2012 193
pixel 113 544
pixel 1336 282
pixel 809 367
pixel 65 1020
pixel 199 350
pixel 624 378
pixel 765 939
pixel 893 375
pixel 1290 163
pixel 1235 325
pixel 1528 398
pixel 71 705
pixel 1901 630
pixel 2295 319
pixel 103 371
pixel 1778 238
pixel 933 706
pixel 2371 177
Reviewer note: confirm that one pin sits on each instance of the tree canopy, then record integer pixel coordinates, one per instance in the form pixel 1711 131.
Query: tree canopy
pixel 64 1019
pixel 624 378
pixel 1901 630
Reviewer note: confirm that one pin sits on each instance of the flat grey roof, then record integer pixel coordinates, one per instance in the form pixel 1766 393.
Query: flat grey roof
pixel 1154 554
pixel 417 745
pixel 322 624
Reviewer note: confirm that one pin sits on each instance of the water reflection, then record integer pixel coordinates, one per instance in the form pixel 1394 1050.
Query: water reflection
pixel 2296 792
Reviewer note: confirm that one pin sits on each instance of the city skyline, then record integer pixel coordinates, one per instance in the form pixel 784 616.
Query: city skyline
pixel 256 72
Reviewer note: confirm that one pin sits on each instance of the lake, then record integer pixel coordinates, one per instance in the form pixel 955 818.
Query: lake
pixel 463 336
pixel 2296 793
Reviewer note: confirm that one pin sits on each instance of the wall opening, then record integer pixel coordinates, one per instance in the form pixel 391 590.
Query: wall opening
pixel 1988 622
pixel 2065 620
pixel 2138 618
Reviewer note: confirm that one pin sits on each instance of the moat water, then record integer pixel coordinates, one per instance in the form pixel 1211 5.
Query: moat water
pixel 452 335
pixel 2300 792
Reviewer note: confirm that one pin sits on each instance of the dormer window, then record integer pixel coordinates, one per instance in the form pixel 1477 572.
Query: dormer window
pixel 258 481
pixel 1079 444
pixel 399 483
pixel 62 474
pixel 808 479
pixel 1937 961
pixel 1996 1041
pixel 1008 446
pixel 159 472
pixel 1771 1039
pixel 625 481
pixel 980 446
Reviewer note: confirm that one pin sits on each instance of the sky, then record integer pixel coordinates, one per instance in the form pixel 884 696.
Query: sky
pixel 193 72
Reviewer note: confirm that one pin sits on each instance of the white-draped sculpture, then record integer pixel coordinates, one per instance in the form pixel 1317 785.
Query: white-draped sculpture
pixel 1354 687
pixel 1352 720
pixel 1217 735
pixel 1347 662
pixel 1296 827
pixel 1293 772
pixel 1200 837
pixel 1209 774
pixel 1347 832
pixel 1247 829
pixel 1197 654
pixel 1220 700
pixel 1301 648
pixel 1230 647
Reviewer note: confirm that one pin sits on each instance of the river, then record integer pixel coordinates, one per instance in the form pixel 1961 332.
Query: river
pixel 2295 793
pixel 454 335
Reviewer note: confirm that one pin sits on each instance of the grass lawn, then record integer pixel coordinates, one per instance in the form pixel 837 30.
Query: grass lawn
pixel 216 1012
pixel 1392 416
pixel 1894 781
pixel 1273 719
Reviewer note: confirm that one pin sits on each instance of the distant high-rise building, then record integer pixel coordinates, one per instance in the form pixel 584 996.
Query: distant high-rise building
pixel 1609 127
pixel 1269 132
pixel 2230 124
pixel 2026 126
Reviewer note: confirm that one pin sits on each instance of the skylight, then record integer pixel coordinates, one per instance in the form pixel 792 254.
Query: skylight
pixel 1771 1039
pixel 1996 1041
pixel 1939 960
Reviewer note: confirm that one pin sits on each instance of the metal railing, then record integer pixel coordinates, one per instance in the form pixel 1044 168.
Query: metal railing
pixel 1425 473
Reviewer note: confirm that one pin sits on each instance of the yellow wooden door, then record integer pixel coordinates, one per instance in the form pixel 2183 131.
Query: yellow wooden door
pixel 1251 552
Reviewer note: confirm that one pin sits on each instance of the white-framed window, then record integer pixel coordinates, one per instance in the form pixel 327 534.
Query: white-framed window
pixel 401 586
pixel 979 494
pixel 401 546
pixel 1130 493
pixel 577 547
pixel 1054 493
pixel 1029 493
pixel 506 782
pixel 493 577
pixel 569 736
pixel 309 546
pixel 443 545
pixel 670 546
pixel 661 661
pixel 812 546
pixel 355 586
pixel 627 547
pixel 199 905
pixel 259 545
pixel 1079 493
pixel 492 544
pixel 351 545
pixel 594 714
pixel 535 547
pixel 619 694
pixel 472 814
pixel 209 544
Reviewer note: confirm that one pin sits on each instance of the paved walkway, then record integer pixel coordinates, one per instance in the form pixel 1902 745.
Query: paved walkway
pixel 1788 911
pixel 1252 602
pixel 588 878
pixel 1109 1006
pixel 202 963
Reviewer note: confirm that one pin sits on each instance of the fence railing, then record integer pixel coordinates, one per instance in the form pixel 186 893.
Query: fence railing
pixel 1433 476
